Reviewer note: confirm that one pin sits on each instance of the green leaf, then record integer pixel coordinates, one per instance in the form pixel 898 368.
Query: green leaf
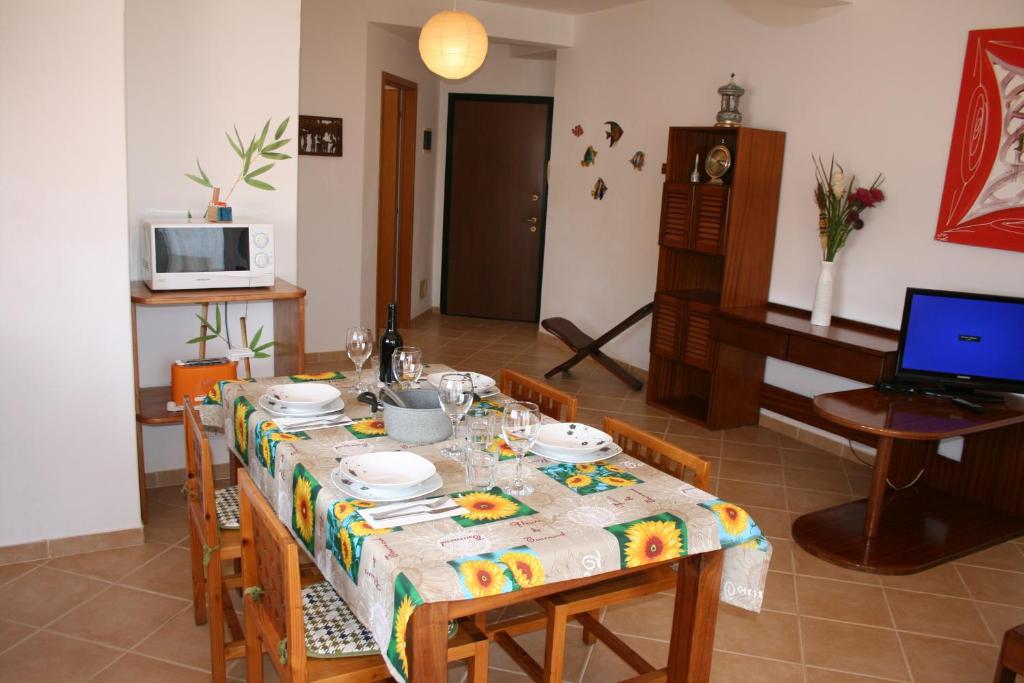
pixel 238 150
pixel 263 135
pixel 204 183
pixel 216 309
pixel 201 171
pixel 264 347
pixel 258 184
pixel 260 354
pixel 276 156
pixel 202 338
pixel 213 330
pixel 256 338
pixel 281 128
pixel 260 171
pixel 274 146
pixel 248 155
pixel 241 145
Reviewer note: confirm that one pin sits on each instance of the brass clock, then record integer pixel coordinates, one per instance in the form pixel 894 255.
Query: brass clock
pixel 717 163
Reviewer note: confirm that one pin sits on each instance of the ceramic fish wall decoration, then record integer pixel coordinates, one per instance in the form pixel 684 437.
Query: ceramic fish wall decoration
pixel 577 130
pixel 589 156
pixel 638 161
pixel 599 189
pixel 614 132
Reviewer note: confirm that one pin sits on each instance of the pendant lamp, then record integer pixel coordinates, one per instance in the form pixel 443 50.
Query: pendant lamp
pixel 453 44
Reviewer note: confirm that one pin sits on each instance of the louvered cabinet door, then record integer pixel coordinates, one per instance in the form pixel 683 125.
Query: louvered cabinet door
pixel 676 215
pixel 667 326
pixel 710 213
pixel 699 348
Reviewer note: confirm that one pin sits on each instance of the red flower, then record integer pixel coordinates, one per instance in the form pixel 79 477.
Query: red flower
pixel 862 197
pixel 877 195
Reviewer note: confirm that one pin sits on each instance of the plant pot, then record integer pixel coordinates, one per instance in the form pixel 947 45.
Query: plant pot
pixel 821 314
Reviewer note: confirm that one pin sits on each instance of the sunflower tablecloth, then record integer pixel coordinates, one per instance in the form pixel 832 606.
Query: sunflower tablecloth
pixel 580 521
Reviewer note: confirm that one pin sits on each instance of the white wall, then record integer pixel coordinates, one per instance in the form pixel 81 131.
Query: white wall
pixel 503 73
pixel 69 458
pixel 194 70
pixel 874 82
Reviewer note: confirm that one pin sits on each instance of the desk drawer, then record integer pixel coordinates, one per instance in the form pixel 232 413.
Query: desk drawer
pixel 836 360
pixel 756 338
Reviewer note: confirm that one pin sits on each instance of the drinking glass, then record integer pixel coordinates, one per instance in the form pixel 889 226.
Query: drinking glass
pixel 455 392
pixel 407 365
pixel 359 346
pixel 480 427
pixel 480 467
pixel 520 426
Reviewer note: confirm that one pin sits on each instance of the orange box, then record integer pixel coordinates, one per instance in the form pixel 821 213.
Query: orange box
pixel 196 381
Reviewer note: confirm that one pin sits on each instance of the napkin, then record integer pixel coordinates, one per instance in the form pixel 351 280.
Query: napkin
pixel 415 516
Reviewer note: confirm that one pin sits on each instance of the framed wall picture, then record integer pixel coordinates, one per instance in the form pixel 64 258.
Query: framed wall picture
pixel 320 136
pixel 983 198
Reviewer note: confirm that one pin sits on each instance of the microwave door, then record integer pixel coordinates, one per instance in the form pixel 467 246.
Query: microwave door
pixel 201 250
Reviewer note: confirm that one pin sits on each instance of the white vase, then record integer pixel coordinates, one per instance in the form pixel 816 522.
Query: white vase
pixel 821 314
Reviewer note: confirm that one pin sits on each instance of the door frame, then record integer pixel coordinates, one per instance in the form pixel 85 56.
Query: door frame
pixel 406 193
pixel 449 138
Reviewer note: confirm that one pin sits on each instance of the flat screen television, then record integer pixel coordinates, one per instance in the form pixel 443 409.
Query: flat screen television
pixel 962 342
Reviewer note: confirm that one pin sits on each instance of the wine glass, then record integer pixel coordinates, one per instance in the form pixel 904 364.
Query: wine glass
pixel 520 426
pixel 359 346
pixel 407 365
pixel 455 392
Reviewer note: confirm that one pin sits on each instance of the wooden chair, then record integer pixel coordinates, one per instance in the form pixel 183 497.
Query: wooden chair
pixel 584 604
pixel 1011 656
pixel 214 537
pixel 552 402
pixel 276 617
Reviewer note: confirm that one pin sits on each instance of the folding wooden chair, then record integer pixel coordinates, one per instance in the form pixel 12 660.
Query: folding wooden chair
pixel 584 604
pixel 584 345
pixel 214 537
pixel 310 634
pixel 555 404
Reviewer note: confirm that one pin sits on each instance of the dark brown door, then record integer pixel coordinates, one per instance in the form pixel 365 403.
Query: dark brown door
pixel 495 205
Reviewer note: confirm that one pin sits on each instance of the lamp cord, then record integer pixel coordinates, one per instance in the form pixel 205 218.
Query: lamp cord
pixel 872 466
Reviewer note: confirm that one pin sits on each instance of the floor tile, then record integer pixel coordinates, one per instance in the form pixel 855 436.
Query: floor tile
pixel 1007 556
pixel 854 603
pixel 815 675
pixel 810 565
pixel 782 555
pixel 942 580
pixel 9 572
pixel 803 501
pixel 649 617
pixel 752 434
pixel 729 667
pixel 11 632
pixel 937 660
pixel 769 455
pixel 772 522
pixel 179 640
pixel 852 648
pixel 605 666
pixel 817 480
pixel 937 615
pixel 133 668
pixel 686 428
pixel 994 585
pixel 167 523
pixel 576 653
pixel 43 595
pixel 48 658
pixel 811 460
pixel 110 565
pixel 760 473
pixel 780 592
pixel 705 448
pixel 119 616
pixel 768 634
pixel 170 574
pixel 747 493
pixel 999 618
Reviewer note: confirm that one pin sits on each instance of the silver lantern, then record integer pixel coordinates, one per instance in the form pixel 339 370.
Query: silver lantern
pixel 729 116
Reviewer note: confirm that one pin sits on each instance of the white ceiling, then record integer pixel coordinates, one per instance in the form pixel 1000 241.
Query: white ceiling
pixel 568 6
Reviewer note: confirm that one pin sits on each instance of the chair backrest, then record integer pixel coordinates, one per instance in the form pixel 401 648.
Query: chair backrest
pixel 552 402
pixel 270 564
pixel 199 468
pixel 658 453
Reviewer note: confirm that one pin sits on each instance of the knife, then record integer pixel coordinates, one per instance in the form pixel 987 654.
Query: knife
pixel 403 513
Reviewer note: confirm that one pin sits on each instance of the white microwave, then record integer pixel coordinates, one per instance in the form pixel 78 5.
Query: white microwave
pixel 207 255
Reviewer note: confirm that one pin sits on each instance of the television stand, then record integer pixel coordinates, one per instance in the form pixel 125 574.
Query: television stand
pixel 954 509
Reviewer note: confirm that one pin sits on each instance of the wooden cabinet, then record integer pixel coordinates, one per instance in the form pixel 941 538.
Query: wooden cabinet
pixel 716 243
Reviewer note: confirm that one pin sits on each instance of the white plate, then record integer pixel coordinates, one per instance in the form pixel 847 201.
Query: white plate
pixel 571 438
pixel 387 469
pixel 579 458
pixel 481 383
pixel 335 406
pixel 359 492
pixel 305 395
pixel 487 393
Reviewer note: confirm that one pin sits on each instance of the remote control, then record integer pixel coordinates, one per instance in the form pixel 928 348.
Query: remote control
pixel 970 405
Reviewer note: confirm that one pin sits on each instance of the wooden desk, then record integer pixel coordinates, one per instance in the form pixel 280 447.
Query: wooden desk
pixel 289 346
pixel 954 508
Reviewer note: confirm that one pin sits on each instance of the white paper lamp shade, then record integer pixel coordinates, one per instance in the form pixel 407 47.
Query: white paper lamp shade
pixel 453 44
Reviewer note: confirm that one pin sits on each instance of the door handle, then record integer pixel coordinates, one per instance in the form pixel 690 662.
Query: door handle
pixel 532 220
pixel 534 197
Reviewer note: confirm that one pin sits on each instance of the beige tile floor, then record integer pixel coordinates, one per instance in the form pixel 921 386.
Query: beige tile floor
pixel 124 615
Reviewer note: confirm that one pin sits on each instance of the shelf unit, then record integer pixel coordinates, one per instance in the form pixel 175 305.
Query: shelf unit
pixel 715 250
pixel 289 346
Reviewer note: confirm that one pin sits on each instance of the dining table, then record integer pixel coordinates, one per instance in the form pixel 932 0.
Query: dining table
pixel 405 584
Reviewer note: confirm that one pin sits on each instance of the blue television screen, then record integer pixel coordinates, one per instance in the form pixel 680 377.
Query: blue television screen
pixel 962 338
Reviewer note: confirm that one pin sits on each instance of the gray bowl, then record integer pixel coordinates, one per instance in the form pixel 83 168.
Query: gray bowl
pixel 422 422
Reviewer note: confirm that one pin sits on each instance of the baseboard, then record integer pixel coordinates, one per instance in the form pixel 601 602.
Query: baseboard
pixel 817 438
pixel 156 480
pixel 70 545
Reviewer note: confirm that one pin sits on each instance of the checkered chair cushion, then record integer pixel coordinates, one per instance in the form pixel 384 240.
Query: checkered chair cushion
pixel 227 507
pixel 331 628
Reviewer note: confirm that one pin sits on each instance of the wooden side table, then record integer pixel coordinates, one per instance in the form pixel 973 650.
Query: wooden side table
pixel 289 346
pixel 951 510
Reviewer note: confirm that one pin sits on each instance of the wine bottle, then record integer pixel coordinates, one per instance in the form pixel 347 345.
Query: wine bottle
pixel 389 341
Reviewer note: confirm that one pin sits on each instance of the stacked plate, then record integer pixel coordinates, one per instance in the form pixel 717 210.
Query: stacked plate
pixel 574 442
pixel 387 476
pixel 483 385
pixel 308 399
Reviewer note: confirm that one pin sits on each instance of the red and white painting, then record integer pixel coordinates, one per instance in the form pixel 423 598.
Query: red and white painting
pixel 983 199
